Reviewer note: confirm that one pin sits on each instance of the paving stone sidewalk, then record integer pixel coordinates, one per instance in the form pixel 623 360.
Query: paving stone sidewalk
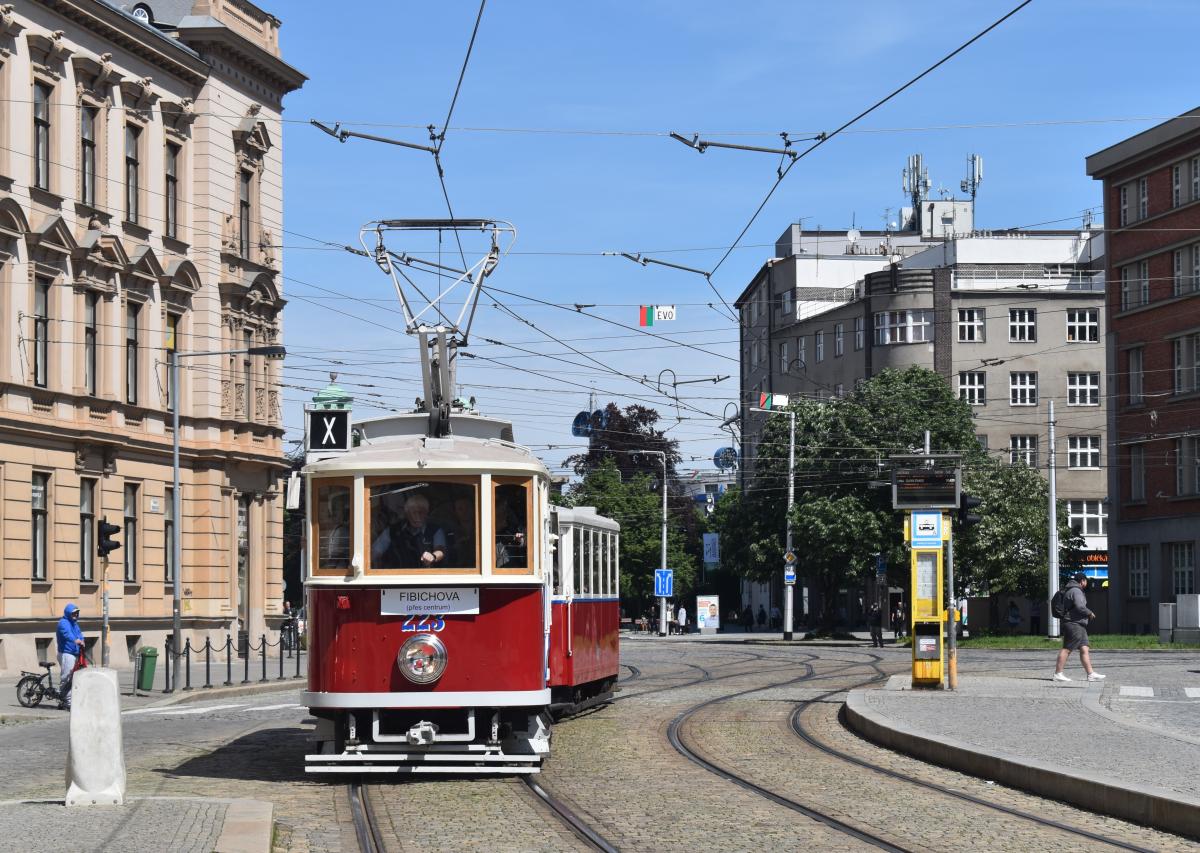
pixel 1133 735
pixel 181 825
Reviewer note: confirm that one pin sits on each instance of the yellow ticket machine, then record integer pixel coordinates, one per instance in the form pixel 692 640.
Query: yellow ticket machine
pixel 928 618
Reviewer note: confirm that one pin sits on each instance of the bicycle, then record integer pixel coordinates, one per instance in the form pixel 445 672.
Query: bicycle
pixel 33 688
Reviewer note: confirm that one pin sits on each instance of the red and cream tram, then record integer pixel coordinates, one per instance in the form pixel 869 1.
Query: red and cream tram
pixel 452 610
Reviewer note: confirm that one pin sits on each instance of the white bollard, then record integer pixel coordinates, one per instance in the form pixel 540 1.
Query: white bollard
pixel 96 756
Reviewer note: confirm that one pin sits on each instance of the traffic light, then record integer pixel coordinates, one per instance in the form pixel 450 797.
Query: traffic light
pixel 966 503
pixel 107 531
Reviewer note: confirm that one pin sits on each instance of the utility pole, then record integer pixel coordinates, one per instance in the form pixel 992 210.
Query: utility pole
pixel 788 588
pixel 952 639
pixel 1052 539
pixel 662 607
pixel 104 606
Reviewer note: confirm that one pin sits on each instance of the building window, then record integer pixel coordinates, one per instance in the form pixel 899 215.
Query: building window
pixel 1137 566
pixel 171 345
pixel 1183 568
pixel 789 304
pixel 1083 389
pixel 131 352
pixel 1137 472
pixel 91 328
pixel 972 387
pixel 1177 185
pixel 1187 465
pixel 87 154
pixel 87 529
pixel 1088 517
pixel 903 327
pixel 244 181
pixel 171 214
pixel 129 546
pixel 783 357
pixel 1193 281
pixel 1196 179
pixel 1177 275
pixel 1136 379
pixel 41 135
pixel 169 535
pixel 1186 363
pixel 39 507
pixel 802 350
pixel 41 332
pixel 1135 285
pixel 1023 448
pixel 1083 325
pixel 248 372
pixel 1083 451
pixel 983 441
pixel 859 334
pixel 133 138
pixel 1022 388
pixel 839 390
pixel 820 346
pixel 970 325
pixel 1123 192
pixel 1143 198
pixel 839 344
pixel 1022 324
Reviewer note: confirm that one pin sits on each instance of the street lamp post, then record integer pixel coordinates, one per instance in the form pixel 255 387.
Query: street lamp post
pixel 273 351
pixel 662 607
pixel 788 617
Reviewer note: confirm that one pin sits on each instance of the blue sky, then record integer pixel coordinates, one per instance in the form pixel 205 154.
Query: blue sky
pixel 637 70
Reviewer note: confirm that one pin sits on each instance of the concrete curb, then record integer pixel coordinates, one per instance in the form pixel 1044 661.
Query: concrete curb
pixel 1091 701
pixel 1148 806
pixel 247 828
pixel 200 694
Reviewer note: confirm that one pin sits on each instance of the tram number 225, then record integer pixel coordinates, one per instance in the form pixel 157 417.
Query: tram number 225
pixel 416 624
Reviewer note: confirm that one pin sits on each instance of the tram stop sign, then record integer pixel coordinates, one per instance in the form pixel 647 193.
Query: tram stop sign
pixel 789 576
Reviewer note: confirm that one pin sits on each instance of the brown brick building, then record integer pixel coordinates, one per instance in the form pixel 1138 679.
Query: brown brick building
pixel 1152 219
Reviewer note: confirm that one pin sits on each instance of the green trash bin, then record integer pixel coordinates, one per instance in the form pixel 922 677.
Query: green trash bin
pixel 148 656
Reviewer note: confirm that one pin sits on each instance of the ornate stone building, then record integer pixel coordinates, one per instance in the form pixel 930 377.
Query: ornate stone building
pixel 140 199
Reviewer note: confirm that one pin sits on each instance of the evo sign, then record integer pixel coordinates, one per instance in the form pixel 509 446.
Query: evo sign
pixel 420 600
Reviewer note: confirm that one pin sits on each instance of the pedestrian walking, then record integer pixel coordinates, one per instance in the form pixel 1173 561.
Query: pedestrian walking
pixel 762 617
pixel 898 622
pixel 1075 636
pixel 875 622
pixel 776 617
pixel 681 618
pixel 70 648
pixel 747 619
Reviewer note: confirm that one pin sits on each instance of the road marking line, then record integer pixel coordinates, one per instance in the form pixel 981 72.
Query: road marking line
pixel 199 710
pixel 1147 692
pixel 1192 692
pixel 274 707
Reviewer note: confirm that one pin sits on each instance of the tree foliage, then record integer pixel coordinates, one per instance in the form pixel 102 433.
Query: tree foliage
pixel 843 513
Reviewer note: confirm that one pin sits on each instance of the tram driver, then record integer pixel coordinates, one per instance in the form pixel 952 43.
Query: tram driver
pixel 410 541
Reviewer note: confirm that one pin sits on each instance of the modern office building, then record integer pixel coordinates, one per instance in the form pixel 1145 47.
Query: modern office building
pixel 140 213
pixel 1152 219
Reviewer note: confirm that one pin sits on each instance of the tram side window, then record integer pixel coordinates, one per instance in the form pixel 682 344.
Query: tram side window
pixel 423 525
pixel 512 526
pixel 614 564
pixel 334 520
pixel 586 537
pixel 603 561
pixel 577 545
pixel 556 554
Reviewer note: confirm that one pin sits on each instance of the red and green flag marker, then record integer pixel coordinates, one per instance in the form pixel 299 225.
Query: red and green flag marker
pixel 772 401
pixel 648 314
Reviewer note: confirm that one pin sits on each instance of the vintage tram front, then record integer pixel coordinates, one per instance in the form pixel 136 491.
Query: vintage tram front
pixel 429 603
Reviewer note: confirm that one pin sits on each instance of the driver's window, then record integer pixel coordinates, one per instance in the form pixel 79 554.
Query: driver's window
pixel 511 519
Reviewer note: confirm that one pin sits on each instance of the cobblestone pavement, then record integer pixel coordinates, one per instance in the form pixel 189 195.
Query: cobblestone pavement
pixel 613 766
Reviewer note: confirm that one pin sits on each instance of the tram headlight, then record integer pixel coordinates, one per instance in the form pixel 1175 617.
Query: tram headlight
pixel 422 659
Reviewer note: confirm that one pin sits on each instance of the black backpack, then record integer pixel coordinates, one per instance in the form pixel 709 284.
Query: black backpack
pixel 1058 604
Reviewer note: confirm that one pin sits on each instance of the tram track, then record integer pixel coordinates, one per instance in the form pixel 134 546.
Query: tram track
pixel 567 816
pixel 797 726
pixel 366 827
pixel 676 738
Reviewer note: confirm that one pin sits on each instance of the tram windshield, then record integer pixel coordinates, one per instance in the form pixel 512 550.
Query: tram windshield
pixel 419 524
pixel 334 523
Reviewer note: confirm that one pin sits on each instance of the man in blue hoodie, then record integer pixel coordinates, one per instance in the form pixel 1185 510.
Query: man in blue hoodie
pixel 70 647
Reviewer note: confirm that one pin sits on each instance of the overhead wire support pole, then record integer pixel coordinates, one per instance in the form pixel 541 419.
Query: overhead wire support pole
pixel 639 258
pixel 702 145
pixel 788 611
pixel 342 135
pixel 1052 533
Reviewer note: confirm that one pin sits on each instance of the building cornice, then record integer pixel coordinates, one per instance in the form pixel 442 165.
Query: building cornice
pixel 219 40
pixel 119 29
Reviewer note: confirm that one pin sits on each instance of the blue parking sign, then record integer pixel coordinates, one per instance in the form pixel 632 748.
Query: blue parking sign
pixel 664 583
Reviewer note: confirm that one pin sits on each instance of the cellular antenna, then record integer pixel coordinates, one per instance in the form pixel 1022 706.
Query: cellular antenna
pixel 974 177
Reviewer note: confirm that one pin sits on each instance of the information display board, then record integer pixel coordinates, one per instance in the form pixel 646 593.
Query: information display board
pixel 925 488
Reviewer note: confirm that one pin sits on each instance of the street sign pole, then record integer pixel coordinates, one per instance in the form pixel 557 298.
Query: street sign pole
pixel 789 588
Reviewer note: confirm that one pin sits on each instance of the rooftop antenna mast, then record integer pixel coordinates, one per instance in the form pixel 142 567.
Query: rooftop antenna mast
pixel 915 180
pixel 974 178
pixel 441 325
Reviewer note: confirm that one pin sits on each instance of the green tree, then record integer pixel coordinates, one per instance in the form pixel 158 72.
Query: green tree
pixel 636 504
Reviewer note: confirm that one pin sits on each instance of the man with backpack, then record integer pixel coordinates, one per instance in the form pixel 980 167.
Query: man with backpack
pixel 1070 605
